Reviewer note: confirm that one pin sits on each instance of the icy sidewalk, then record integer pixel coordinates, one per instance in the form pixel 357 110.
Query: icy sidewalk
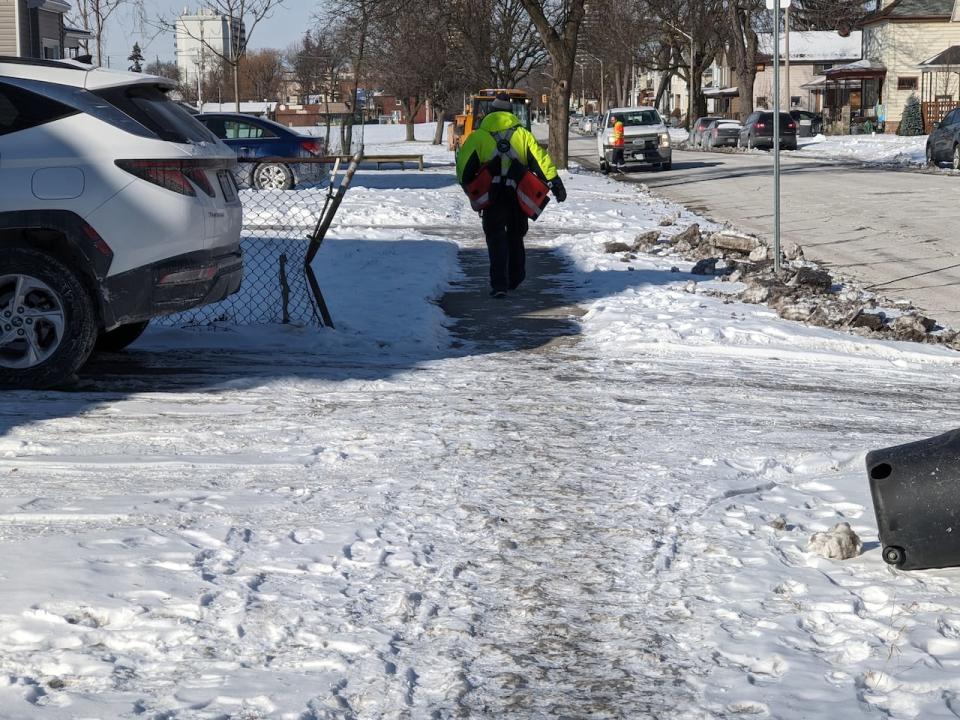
pixel 590 501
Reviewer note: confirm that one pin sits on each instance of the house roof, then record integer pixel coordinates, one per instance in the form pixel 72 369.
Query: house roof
pixel 814 46
pixel 858 69
pixel 913 10
pixel 947 61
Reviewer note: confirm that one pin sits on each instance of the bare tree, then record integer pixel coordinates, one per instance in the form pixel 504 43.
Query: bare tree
pixel 163 68
pixel 93 16
pixel 559 26
pixel 261 74
pixel 412 55
pixel 498 45
pixel 248 12
pixel 356 19
pixel 742 42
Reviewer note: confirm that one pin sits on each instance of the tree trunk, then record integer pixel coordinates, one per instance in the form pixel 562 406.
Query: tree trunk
pixel 562 47
pixel 438 133
pixel 411 135
pixel 662 88
pixel 559 104
pixel 236 84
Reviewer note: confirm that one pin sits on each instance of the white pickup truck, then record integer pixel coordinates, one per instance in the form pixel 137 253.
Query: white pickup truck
pixel 645 138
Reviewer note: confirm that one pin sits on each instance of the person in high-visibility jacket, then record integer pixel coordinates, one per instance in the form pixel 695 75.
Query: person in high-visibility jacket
pixel 617 142
pixel 504 221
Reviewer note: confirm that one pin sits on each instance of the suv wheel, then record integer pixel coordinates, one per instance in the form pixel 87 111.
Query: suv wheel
pixel 117 339
pixel 956 157
pixel 272 176
pixel 47 320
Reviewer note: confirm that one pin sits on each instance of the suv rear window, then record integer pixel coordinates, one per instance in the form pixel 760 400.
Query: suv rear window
pixel 21 109
pixel 151 107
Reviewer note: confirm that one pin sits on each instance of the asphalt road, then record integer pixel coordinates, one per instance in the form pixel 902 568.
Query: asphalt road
pixel 895 231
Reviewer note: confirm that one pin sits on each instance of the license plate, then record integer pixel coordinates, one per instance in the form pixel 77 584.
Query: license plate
pixel 225 177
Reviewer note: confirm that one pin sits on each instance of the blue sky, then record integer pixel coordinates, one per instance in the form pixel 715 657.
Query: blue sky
pixel 285 25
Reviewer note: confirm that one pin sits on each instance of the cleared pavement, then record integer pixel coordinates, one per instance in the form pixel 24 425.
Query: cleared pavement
pixel 894 231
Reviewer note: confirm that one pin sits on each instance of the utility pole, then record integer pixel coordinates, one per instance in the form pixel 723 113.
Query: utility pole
pixel 786 41
pixel 776 5
pixel 688 36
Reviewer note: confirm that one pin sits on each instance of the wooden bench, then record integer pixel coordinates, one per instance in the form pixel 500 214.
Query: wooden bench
pixel 401 159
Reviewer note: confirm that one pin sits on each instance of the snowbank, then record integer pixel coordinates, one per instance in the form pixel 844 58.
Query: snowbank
pixel 878 149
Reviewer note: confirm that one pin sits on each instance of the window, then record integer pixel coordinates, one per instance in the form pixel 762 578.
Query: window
pixel 22 109
pixel 762 101
pixel 907 83
pixel 239 130
pixel 150 106
pixel 51 49
pixel 821 68
pixel 635 119
pixel 794 101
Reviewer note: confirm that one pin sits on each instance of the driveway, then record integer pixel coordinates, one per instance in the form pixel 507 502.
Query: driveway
pixel 894 231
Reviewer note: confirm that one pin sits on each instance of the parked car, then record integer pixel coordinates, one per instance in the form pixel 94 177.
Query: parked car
pixel 699 125
pixel 757 131
pixel 808 123
pixel 721 133
pixel 252 138
pixel 117 206
pixel 943 144
pixel 646 138
pixel 588 124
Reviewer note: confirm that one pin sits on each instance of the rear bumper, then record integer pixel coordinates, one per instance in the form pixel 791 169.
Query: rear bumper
pixel 171 286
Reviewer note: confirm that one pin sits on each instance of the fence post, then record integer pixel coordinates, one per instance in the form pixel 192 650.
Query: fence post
pixel 320 232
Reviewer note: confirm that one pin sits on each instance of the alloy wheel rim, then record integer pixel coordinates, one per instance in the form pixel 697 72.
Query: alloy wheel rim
pixel 272 177
pixel 32 321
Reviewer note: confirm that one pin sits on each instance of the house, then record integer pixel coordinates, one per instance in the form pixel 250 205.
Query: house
pixel 812 55
pixel 35 29
pixel 905 44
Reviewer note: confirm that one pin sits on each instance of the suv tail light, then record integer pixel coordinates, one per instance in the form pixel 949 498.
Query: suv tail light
pixel 169 174
pixel 312 146
pixel 792 126
pixel 760 126
pixel 175 175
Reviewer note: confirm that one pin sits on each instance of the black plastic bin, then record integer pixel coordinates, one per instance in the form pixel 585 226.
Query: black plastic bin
pixel 916 497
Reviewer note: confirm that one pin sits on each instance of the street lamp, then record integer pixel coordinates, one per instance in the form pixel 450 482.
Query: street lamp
pixel 689 77
pixel 603 105
pixel 583 99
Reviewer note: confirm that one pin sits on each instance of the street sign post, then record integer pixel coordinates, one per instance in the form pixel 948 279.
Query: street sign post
pixel 776 7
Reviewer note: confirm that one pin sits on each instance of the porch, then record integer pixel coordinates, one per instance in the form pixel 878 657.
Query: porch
pixel 939 86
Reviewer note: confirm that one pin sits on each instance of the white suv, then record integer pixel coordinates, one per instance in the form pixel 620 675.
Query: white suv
pixel 115 206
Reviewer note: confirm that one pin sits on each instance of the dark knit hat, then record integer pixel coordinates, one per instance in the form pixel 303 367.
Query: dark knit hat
pixel 502 102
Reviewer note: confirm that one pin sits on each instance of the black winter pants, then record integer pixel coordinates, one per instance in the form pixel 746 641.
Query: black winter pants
pixel 504 226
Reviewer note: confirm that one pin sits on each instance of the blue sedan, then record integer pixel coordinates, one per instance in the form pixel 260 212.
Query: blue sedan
pixel 252 138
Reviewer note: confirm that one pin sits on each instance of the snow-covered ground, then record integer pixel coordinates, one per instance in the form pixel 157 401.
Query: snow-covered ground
pixel 878 149
pixel 380 522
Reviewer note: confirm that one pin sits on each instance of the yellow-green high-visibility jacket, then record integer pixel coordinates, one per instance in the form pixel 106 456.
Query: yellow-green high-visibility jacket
pixel 481 147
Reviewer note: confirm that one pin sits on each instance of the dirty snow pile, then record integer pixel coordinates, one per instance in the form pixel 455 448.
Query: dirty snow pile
pixel 398 518
pixel 874 149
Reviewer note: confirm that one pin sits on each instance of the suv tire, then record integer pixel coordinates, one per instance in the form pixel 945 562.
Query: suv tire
pixel 47 332
pixel 117 339
pixel 272 176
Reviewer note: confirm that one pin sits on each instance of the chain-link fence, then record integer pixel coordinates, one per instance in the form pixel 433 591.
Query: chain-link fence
pixel 277 230
pixel 282 230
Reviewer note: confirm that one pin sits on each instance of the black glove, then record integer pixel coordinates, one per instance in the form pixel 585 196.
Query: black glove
pixel 559 191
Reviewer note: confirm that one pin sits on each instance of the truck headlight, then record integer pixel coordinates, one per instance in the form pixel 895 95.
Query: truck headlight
pixel 664 140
